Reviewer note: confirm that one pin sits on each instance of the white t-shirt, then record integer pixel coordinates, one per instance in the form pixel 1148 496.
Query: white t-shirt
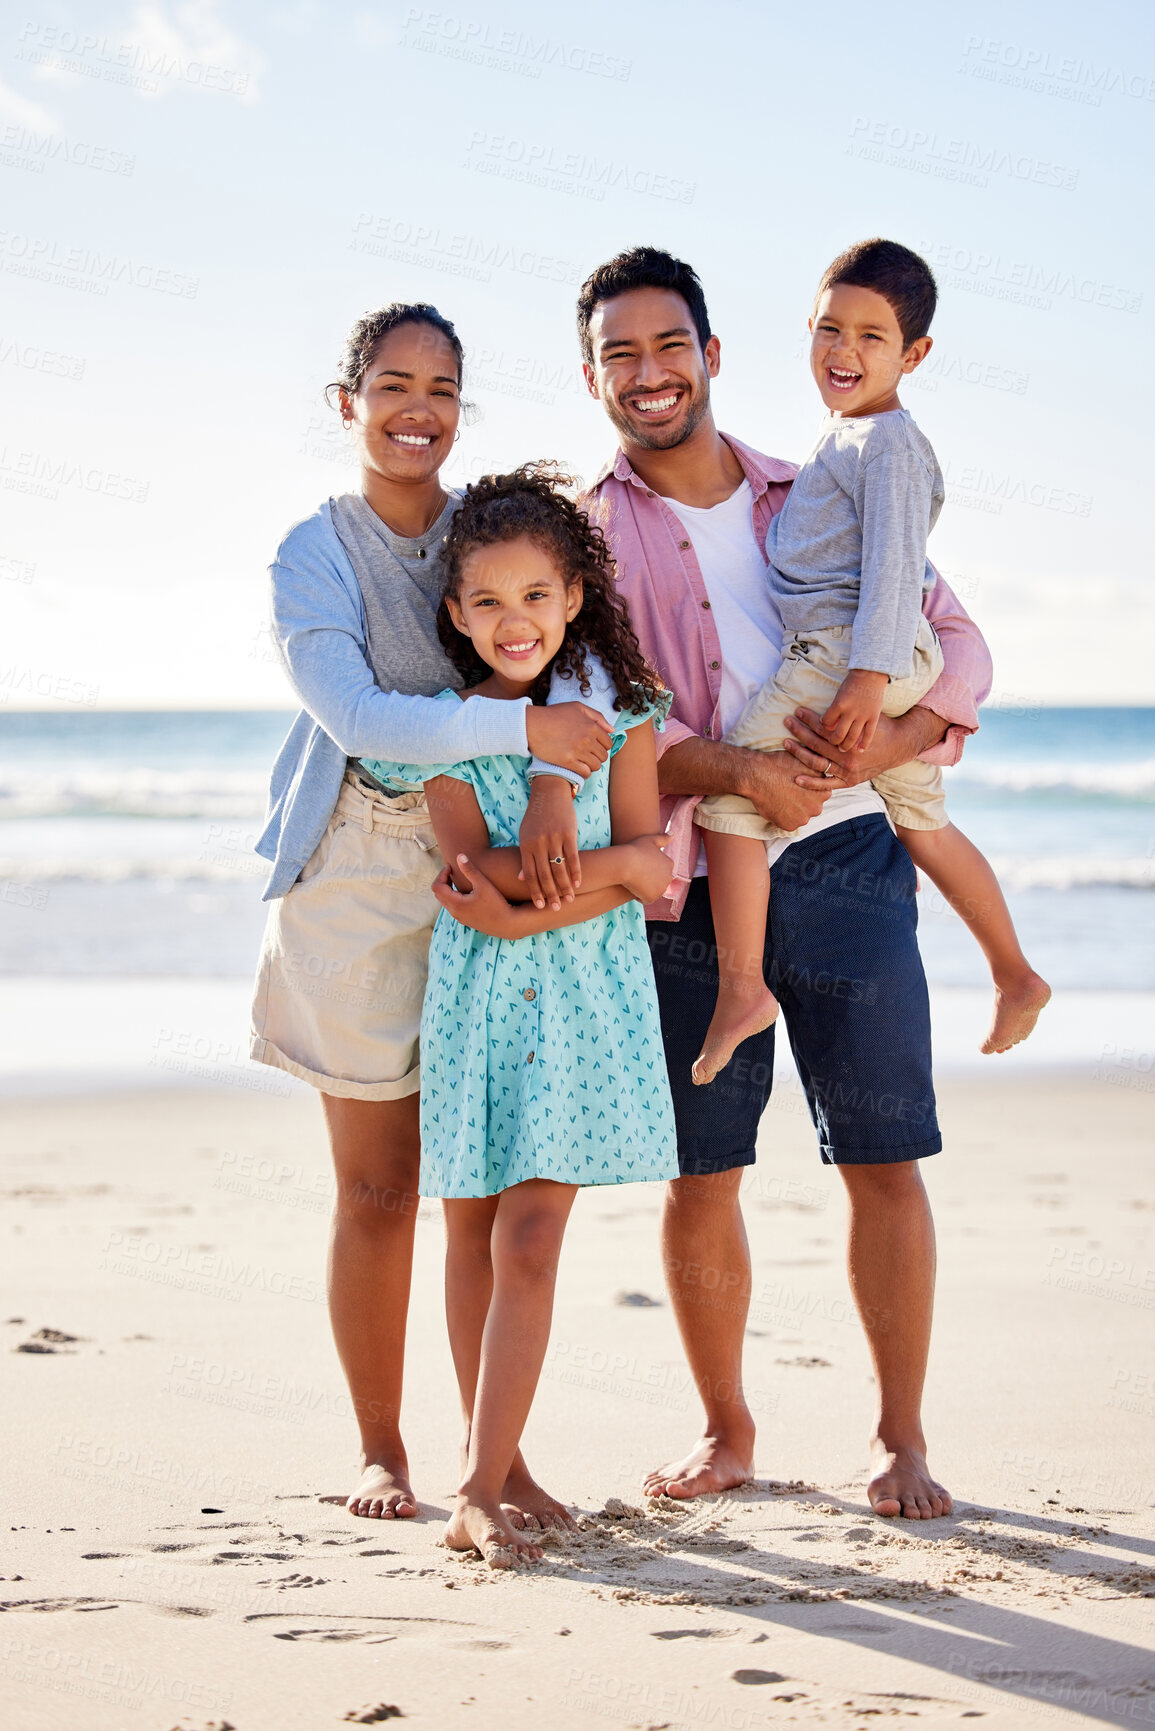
pixel 751 632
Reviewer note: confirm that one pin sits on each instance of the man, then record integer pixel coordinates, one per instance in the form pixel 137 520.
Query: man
pixel 685 510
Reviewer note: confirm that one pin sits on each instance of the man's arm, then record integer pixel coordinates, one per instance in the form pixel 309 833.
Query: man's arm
pixel 768 779
pixel 938 726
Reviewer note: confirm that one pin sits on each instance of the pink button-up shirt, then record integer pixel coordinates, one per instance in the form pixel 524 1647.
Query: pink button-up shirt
pixel 671 613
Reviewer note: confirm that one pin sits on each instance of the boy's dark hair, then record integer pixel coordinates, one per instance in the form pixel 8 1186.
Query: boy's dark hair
pixel 640 267
pixel 529 501
pixel 894 272
pixel 371 328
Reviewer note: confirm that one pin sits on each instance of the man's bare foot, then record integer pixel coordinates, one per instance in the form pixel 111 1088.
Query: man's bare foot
pixel 1017 1010
pixel 384 1492
pixel 713 1466
pixel 736 1017
pixel 479 1525
pixel 900 1484
pixel 522 1496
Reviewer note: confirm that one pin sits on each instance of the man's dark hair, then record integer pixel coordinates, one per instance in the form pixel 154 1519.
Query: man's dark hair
pixel 894 272
pixel 640 267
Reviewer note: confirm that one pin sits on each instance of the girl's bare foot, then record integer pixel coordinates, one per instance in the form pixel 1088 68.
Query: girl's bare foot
pixel 477 1524
pixel 1017 1009
pixel 522 1495
pixel 384 1492
pixel 737 1016
pixel 715 1465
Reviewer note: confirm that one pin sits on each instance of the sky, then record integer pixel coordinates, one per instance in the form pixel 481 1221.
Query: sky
pixel 199 197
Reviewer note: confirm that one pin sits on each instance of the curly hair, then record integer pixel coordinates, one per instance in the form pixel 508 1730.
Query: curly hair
pixel 530 502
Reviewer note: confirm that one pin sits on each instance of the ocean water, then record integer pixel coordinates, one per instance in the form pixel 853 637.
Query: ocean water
pixel 126 850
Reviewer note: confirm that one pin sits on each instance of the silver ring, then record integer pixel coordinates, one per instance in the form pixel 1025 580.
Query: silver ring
pixel 560 860
pixel 829 770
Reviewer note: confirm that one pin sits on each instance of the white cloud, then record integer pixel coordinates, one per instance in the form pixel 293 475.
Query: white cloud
pixel 186 44
pixel 17 110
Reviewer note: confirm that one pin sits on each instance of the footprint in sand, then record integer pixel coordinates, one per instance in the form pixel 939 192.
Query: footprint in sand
pixel 373 1715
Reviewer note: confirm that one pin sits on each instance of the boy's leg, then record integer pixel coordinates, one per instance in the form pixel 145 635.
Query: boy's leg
pixel 468 1292
pixel 528 1227
pixel 739 890
pixel 954 864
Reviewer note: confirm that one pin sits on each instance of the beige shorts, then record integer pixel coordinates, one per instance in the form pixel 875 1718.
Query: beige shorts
pixel 342 972
pixel 812 669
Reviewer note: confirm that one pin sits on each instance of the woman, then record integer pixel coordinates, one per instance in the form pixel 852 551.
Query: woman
pixel 355 591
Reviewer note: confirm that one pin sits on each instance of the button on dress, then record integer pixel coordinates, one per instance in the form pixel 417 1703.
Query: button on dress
pixel 541 1057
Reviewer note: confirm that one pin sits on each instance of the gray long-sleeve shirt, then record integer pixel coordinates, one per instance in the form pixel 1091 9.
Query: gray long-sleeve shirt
pixel 849 545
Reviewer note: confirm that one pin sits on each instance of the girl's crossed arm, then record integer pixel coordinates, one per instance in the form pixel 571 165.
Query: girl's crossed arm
pixel 633 867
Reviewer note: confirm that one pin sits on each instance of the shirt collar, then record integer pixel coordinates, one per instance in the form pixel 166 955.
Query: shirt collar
pixel 760 471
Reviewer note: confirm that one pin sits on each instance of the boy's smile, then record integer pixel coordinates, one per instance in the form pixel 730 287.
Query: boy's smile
pixel 857 352
pixel 515 605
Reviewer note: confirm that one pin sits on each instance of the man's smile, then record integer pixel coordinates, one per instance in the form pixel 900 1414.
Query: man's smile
pixel 656 405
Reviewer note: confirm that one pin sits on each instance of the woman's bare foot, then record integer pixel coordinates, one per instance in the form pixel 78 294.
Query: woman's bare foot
pixel 900 1484
pixel 522 1496
pixel 1017 1009
pixel 737 1016
pixel 384 1492
pixel 478 1525
pixel 715 1465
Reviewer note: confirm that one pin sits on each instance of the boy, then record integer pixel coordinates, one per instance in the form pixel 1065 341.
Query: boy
pixel 848 567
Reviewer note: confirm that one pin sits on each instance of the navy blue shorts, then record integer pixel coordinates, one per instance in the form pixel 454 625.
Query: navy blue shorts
pixel 842 959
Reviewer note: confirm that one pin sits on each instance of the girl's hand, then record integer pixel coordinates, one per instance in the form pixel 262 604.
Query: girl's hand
pixel 852 718
pixel 548 834
pixel 571 734
pixel 649 877
pixel 480 905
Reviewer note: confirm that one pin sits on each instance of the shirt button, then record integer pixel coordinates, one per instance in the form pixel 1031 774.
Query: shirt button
pixel 529 1059
pixel 649 495
pixel 529 994
pixel 683 545
pixel 707 733
pixel 715 664
pixel 706 605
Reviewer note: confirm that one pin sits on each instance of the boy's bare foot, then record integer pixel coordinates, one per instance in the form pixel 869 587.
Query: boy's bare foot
pixel 1016 1012
pixel 479 1525
pixel 900 1484
pixel 384 1492
pixel 714 1465
pixel 522 1496
pixel 736 1017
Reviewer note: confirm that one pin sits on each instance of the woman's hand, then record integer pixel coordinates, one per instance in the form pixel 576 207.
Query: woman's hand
pixel 480 905
pixel 571 734
pixel 649 871
pixel 550 867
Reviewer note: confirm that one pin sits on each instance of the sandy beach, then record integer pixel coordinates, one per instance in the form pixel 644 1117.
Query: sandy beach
pixel 179 1446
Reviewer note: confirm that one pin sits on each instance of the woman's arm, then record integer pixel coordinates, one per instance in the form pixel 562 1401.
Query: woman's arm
pixel 318 630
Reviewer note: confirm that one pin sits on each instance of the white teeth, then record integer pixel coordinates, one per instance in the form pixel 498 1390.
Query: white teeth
pixel 412 438
pixel 518 648
pixel 658 405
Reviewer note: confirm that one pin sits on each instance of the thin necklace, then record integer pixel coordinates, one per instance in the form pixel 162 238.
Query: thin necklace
pixel 437 510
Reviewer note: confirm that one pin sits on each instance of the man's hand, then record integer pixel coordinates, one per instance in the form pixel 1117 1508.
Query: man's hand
pixel 896 742
pixel 548 834
pixel 769 780
pixel 851 719
pixel 570 734
pixel 650 876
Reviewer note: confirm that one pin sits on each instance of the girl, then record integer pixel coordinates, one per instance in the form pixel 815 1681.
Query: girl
pixel 543 1062
pixel 355 593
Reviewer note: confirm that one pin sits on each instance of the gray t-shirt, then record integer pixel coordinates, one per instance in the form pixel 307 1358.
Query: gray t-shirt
pixel 401 583
pixel 849 545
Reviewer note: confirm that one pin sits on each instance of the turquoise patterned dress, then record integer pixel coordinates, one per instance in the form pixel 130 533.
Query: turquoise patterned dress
pixel 541 1057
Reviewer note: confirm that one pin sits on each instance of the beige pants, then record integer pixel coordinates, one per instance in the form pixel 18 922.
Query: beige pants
pixel 341 978
pixel 812 670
